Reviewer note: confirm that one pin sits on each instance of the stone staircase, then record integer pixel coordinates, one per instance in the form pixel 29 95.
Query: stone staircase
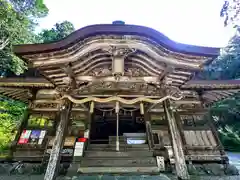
pixel 103 158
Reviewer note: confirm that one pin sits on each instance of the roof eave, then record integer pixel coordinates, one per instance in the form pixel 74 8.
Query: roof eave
pixel 119 30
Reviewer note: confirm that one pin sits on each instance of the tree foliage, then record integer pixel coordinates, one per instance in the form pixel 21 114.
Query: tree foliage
pixel 31 8
pixel 227 112
pixel 58 32
pixel 227 65
pixel 231 12
pixel 11 114
pixel 17 27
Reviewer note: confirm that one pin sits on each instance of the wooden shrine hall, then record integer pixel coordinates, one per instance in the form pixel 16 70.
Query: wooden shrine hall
pixel 117 98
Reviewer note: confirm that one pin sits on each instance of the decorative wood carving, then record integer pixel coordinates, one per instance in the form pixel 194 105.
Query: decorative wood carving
pixel 102 71
pixel 135 72
pixel 119 51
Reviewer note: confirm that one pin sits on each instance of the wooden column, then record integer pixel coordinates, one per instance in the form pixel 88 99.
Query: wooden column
pixel 180 163
pixel 53 163
pixel 147 120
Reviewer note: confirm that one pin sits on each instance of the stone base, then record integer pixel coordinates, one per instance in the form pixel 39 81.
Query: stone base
pixel 117 177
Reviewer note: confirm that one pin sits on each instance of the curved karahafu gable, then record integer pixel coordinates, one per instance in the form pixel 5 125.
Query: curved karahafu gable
pixel 106 29
pixel 97 53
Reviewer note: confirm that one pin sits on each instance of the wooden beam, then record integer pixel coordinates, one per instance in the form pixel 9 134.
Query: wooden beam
pixel 53 163
pixel 25 82
pixel 180 163
pixel 92 46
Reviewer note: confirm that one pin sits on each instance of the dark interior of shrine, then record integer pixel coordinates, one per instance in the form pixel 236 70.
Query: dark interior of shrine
pixel 104 124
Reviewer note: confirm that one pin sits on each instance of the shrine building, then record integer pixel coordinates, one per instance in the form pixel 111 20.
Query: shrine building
pixel 117 98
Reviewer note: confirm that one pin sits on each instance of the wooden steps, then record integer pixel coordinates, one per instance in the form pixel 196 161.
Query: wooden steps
pixel 102 158
pixel 120 154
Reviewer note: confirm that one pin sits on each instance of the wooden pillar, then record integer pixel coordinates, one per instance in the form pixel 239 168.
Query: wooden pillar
pixel 180 163
pixel 147 120
pixel 53 163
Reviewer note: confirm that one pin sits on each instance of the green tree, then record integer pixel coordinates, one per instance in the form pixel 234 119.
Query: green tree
pixel 16 27
pixel 58 32
pixel 11 114
pixel 227 66
pixel 231 12
pixel 31 8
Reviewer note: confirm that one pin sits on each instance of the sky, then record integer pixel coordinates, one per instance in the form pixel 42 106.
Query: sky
pixel 195 22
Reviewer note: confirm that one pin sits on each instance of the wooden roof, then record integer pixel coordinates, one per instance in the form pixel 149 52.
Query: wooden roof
pixel 82 64
pixel 18 94
pixel 121 29
pixel 86 57
pixel 22 87
pixel 213 90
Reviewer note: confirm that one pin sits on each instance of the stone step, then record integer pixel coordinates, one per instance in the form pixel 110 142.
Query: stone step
pixel 122 162
pixel 118 170
pixel 119 154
